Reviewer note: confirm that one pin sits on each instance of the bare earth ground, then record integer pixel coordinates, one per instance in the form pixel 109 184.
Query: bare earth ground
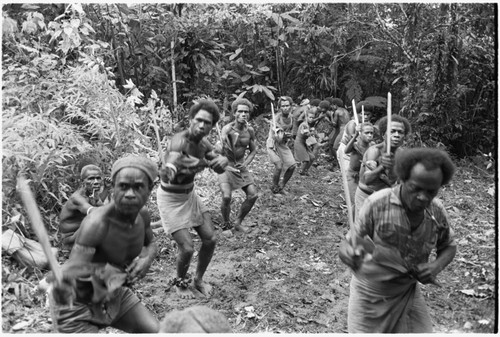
pixel 285 275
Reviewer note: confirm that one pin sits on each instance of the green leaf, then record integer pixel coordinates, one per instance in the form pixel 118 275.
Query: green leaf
pixel 245 78
pixel 268 93
pixel 235 54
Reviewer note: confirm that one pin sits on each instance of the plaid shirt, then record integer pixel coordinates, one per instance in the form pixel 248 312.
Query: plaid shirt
pixel 384 219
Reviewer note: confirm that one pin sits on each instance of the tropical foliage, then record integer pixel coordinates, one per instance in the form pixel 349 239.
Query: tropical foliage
pixel 91 82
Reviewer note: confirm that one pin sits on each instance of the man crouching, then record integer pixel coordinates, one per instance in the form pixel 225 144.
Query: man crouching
pixel 181 209
pixel 114 245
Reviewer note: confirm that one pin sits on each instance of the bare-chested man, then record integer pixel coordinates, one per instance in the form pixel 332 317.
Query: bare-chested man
pixel 94 192
pixel 356 148
pixel 339 120
pixel 237 137
pixel 277 145
pixel 350 130
pixel 376 172
pixel 115 243
pixel 189 152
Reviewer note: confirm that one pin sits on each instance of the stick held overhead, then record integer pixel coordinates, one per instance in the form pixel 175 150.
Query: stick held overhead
pixel 355 112
pixel 389 121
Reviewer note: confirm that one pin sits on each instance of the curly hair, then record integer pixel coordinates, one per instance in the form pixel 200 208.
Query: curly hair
pixel 367 106
pixel 241 101
pixel 337 101
pixel 285 98
pixel 315 102
pixel 382 124
pixel 324 105
pixel 208 106
pixel 429 157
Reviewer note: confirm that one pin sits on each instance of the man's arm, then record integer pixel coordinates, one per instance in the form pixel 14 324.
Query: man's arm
pixel 350 146
pixel 304 129
pixel 335 119
pixel 278 133
pixel 320 117
pixel 252 147
pixel 363 228
pixel 427 272
pixel 224 134
pixel 140 265
pixel 77 202
pixel 370 169
pixel 92 231
pixel 216 161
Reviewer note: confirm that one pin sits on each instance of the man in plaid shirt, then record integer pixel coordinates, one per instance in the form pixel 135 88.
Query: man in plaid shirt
pixel 392 239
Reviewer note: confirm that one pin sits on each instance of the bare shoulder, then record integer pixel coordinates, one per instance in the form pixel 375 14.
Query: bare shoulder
pixel 145 216
pixel 75 200
pixel 373 152
pixel 178 141
pixel 95 226
pixel 78 195
pixel 226 128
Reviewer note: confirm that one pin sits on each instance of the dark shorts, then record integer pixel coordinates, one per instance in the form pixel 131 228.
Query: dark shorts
pixel 89 318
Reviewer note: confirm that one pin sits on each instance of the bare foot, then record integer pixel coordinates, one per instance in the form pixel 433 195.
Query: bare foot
pixel 203 287
pixel 239 228
pixel 185 293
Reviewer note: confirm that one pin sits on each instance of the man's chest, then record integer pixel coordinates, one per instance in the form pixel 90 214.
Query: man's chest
pixel 197 150
pixel 285 122
pixel 414 238
pixel 239 138
pixel 122 245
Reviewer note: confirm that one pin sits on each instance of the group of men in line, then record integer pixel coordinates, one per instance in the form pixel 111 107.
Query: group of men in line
pixel 398 220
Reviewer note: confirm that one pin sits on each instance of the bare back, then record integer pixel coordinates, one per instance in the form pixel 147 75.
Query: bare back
pixel 74 211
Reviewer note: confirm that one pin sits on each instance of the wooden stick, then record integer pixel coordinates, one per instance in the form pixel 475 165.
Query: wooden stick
pixel 362 114
pixel 273 124
pixel 389 117
pixel 356 119
pixel 348 201
pixel 38 226
pixel 174 81
pixel 157 133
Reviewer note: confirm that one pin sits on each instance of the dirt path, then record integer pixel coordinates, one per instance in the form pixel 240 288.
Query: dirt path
pixel 282 276
pixel 285 275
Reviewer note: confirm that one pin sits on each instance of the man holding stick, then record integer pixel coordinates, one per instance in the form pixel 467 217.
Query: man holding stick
pixel 237 137
pixel 114 245
pixel 376 170
pixel 356 148
pixel 277 144
pixel 339 120
pixel 390 244
pixel 189 152
pixel 350 130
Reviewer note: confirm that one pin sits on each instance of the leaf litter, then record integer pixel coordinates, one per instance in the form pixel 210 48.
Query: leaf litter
pixel 293 282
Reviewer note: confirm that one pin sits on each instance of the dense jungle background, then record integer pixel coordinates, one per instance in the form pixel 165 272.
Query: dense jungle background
pixel 86 83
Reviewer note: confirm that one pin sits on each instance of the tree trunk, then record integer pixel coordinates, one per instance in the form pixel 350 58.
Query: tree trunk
pixel 412 12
